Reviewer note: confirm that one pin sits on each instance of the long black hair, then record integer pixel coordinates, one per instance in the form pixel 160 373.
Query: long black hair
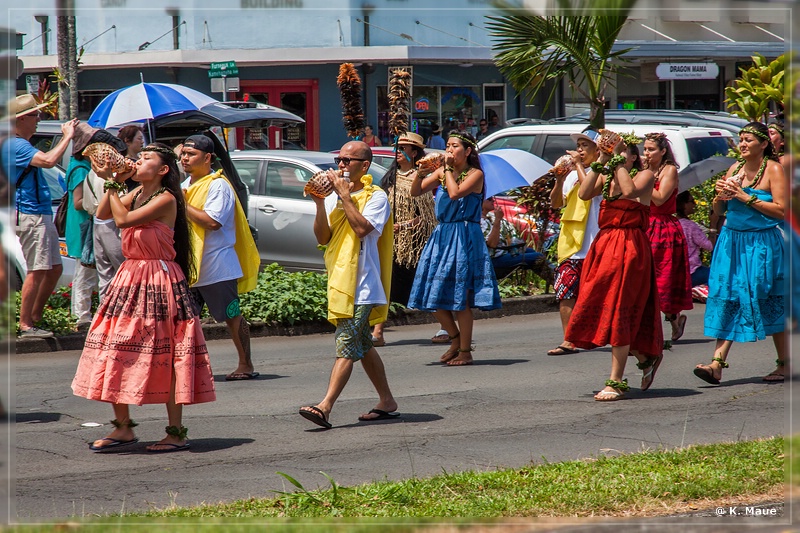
pixel 171 181
pixel 468 141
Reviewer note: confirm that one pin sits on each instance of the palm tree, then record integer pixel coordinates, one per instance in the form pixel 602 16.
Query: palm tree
pixel 574 42
pixel 67 72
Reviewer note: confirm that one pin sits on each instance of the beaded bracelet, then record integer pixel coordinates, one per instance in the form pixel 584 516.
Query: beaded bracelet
pixel 753 199
pixel 115 185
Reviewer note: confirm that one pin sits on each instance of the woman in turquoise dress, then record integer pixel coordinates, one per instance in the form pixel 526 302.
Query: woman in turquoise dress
pixel 746 289
pixel 455 272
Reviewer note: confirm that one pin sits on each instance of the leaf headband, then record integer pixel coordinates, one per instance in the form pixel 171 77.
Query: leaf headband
pixel 630 139
pixel 467 140
pixel 776 127
pixel 750 129
pixel 161 150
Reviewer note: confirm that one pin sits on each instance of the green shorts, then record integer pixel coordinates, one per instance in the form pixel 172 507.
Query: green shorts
pixel 353 335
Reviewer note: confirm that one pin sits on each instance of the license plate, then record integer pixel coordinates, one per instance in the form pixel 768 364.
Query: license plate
pixel 62 248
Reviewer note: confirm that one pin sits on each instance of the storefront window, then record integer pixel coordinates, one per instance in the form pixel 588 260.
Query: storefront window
pixel 456 108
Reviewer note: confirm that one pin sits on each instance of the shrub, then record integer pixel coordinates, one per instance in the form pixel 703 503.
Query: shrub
pixel 287 297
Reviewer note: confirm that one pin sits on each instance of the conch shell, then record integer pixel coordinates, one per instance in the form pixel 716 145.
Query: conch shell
pixel 563 166
pixel 320 185
pixel 100 153
pixel 735 179
pixel 430 162
pixel 608 140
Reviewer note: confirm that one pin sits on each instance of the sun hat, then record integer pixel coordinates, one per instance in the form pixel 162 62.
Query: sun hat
pixel 437 128
pixel 412 139
pixel 24 104
pixel 83 135
pixel 587 134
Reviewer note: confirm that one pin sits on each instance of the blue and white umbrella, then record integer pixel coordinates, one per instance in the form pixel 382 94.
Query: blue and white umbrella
pixel 146 101
pixel 509 168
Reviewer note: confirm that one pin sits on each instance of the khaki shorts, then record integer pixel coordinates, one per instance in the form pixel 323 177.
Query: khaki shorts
pixel 39 241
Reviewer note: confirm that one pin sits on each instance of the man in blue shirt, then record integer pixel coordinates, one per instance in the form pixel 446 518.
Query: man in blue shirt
pixel 35 229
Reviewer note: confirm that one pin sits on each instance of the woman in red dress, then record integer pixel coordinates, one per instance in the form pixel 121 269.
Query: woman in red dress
pixel 667 241
pixel 145 344
pixel 618 301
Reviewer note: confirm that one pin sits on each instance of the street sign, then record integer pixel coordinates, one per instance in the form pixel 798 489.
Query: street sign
pixel 223 69
pixel 220 85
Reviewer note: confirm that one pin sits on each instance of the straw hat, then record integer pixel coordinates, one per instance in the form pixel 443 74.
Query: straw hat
pixel 412 139
pixel 23 105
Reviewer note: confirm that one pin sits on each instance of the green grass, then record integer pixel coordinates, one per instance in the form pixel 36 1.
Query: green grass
pixel 641 484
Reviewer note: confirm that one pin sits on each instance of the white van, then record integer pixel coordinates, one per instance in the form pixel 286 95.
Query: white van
pixel 551 141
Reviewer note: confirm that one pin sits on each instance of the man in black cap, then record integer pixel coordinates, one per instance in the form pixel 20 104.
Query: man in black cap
pixel 225 254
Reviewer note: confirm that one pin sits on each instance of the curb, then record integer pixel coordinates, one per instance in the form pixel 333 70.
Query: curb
pixel 525 305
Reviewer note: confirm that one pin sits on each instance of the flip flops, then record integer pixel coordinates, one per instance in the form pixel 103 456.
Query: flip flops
pixel 113 446
pixel 241 376
pixel 378 341
pixel 171 447
pixel 315 414
pixel 382 415
pixel 681 326
pixel 562 350
pixel 649 375
pixel 705 373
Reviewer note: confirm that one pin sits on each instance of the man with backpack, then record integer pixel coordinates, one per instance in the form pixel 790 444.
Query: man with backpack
pixel 37 233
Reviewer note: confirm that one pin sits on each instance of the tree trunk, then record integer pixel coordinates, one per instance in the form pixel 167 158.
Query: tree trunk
pixel 72 72
pixel 62 38
pixel 67 60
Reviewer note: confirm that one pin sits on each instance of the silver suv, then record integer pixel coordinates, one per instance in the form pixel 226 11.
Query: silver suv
pixel 282 216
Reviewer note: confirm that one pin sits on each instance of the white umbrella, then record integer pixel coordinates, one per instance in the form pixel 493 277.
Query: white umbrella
pixel 509 168
pixel 146 101
pixel 700 171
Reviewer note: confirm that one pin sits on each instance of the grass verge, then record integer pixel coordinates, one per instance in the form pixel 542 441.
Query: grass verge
pixel 649 483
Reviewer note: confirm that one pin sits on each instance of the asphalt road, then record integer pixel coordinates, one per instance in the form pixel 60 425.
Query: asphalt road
pixel 513 407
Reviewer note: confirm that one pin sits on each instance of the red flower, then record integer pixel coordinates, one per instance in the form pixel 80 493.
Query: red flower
pixel 65 295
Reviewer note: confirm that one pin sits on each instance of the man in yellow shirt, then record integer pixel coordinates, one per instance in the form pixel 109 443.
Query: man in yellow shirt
pixel 356 225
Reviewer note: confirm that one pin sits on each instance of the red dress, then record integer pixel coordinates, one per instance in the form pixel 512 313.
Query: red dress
pixel 670 257
pixel 145 330
pixel 618 302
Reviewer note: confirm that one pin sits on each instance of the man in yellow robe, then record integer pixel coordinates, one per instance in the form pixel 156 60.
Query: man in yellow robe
pixel 578 229
pixel 355 223
pixel 226 257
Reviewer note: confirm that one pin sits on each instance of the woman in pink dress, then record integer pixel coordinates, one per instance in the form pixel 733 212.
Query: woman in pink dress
pixel 667 242
pixel 145 344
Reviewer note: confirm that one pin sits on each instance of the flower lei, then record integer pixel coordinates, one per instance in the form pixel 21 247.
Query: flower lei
pixel 608 170
pixel 759 174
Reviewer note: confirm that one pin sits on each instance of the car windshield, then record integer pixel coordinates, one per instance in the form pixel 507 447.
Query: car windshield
pixel 704 147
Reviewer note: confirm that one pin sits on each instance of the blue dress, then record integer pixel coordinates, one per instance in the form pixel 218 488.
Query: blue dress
pixel 746 288
pixel 455 270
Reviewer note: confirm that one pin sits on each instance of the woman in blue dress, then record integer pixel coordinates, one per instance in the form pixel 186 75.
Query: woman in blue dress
pixel 455 271
pixel 746 289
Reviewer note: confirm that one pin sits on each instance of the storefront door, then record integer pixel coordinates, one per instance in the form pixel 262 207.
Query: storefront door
pixel 300 97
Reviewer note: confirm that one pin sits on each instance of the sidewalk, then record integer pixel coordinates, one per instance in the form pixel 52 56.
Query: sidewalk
pixel 511 306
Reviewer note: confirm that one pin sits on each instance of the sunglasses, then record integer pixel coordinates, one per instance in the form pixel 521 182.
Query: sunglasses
pixel 346 160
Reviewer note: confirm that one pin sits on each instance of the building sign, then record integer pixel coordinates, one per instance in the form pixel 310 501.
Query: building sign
pixel 687 71
pixel 422 105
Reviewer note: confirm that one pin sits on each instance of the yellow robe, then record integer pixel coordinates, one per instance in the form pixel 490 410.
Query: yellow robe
pixel 341 260
pixel 245 246
pixel 573 224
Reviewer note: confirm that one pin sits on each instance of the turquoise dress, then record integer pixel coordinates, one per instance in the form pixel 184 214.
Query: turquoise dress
pixel 76 173
pixel 746 287
pixel 455 270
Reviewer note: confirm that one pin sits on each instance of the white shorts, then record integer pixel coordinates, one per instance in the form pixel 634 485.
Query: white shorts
pixel 39 240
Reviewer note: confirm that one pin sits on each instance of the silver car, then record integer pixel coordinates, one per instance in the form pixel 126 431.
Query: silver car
pixel 282 216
